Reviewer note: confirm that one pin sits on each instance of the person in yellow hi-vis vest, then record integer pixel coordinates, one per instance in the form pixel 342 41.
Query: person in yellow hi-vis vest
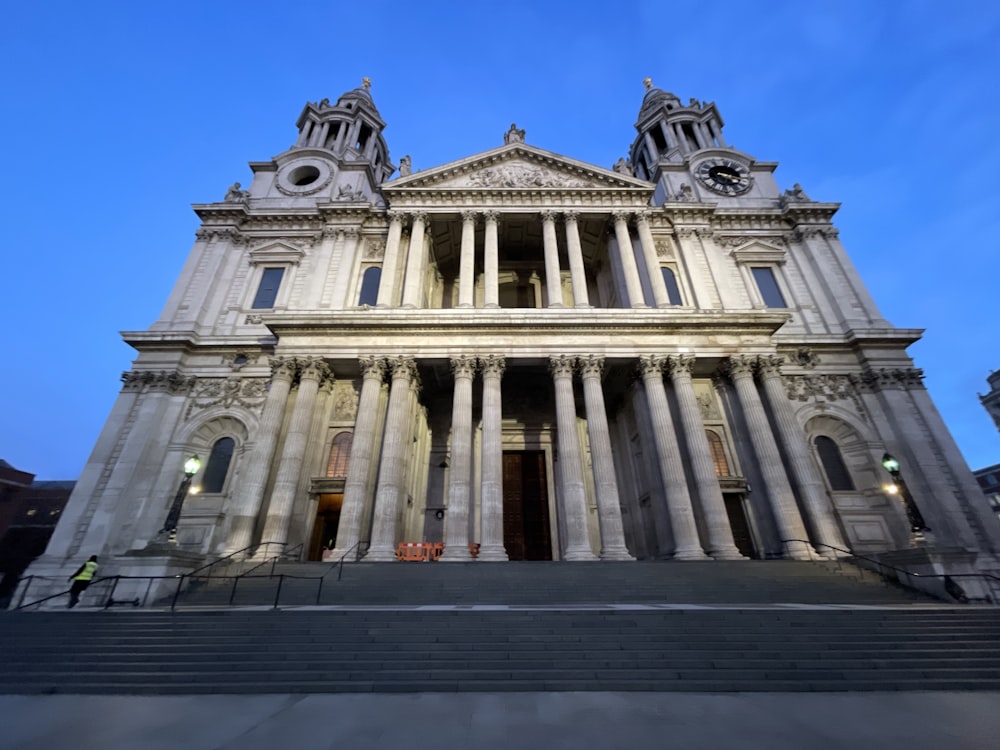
pixel 81 579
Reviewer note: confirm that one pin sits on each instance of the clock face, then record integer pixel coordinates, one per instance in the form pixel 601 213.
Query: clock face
pixel 724 176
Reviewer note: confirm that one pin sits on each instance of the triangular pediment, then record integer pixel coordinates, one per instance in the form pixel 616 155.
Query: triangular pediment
pixel 517 167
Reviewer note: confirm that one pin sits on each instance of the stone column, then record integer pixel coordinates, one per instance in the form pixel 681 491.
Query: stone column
pixel 574 497
pixel 251 495
pixel 632 283
pixel 392 469
pixel 390 261
pixel 456 523
pixel 414 282
pixel 720 533
pixel 286 484
pixel 578 274
pixel 609 510
pixel 553 275
pixel 670 463
pixel 356 490
pixel 779 491
pixel 491 532
pixel 467 263
pixel 814 497
pixel 656 283
pixel 491 261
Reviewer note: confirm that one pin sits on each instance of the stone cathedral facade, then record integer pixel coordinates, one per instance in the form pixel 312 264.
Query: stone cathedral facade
pixel 524 357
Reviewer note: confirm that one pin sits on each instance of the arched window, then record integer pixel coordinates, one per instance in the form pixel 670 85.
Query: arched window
pixel 340 455
pixel 837 475
pixel 214 479
pixel 673 291
pixel 369 286
pixel 718 454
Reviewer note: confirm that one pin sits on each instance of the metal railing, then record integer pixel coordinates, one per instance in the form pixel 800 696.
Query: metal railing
pixel 110 585
pixel 892 574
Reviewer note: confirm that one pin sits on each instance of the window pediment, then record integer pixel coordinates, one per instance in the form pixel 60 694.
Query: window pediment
pixel 276 252
pixel 759 252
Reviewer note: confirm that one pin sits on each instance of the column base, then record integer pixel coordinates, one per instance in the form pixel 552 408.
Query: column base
pixel 638 305
pixel 492 306
pixel 337 553
pixel 584 306
pixel 456 553
pixel 798 551
pixel 555 306
pixel 615 553
pixel 695 553
pixel 582 554
pixel 727 554
pixel 380 554
pixel 493 554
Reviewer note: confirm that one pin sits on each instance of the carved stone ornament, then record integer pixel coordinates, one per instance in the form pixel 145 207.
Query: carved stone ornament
pixel 373 367
pixel 740 366
pixel 562 366
pixel 746 239
pixel 823 388
pixel 885 378
pixel 650 365
pixel 517 175
pixel 283 368
pixel 239 359
pixel 253 320
pixel 314 369
pixel 664 249
pixel 345 401
pixel 248 393
pixel 770 366
pixel 591 366
pixel 492 366
pixel 403 367
pixel 374 249
pixel 707 404
pixel 464 367
pixel 680 366
pixel 163 380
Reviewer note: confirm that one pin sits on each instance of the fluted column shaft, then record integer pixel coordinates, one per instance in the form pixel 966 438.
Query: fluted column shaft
pixel 670 463
pixel 259 461
pixel 713 506
pixel 491 531
pixel 456 524
pixel 574 496
pixel 814 496
pixel 414 282
pixel 390 261
pixel 779 491
pixel 356 490
pixel 279 511
pixel 392 469
pixel 467 261
pixel 491 261
pixel 553 275
pixel 578 274
pixel 633 285
pixel 609 510
pixel 656 283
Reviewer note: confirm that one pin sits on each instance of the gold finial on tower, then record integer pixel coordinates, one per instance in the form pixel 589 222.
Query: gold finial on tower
pixel 647 82
pixel 366 82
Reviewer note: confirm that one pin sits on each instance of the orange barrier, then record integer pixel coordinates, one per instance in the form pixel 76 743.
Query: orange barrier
pixel 474 549
pixel 419 551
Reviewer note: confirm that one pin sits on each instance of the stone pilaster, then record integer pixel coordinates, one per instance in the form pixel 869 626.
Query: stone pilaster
pixel 574 496
pixel 670 463
pixel 626 254
pixel 456 525
pixel 553 275
pixel 286 484
pixel 814 497
pixel 713 507
pixel 467 262
pixel 491 261
pixel 656 283
pixel 779 491
pixel 392 469
pixel 356 487
pixel 243 517
pixel 491 532
pixel 609 511
pixel 414 282
pixel 578 273
pixel 390 261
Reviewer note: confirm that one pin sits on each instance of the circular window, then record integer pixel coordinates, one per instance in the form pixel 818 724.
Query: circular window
pixel 304 176
pixel 307 174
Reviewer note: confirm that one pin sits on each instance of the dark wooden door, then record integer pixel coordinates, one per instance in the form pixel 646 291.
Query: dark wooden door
pixel 525 506
pixel 738 522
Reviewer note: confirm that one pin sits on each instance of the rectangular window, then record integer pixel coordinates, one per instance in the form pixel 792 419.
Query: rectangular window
pixel 670 281
pixel 267 292
pixel 768 286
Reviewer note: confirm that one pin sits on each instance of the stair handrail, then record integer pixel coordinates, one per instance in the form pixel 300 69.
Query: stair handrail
pixel 248 548
pixel 340 562
pixel 948 582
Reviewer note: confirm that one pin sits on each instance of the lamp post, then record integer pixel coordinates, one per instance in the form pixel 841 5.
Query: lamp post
pixel 899 487
pixel 191 467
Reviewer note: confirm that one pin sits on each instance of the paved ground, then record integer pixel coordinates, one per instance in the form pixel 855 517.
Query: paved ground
pixel 488 721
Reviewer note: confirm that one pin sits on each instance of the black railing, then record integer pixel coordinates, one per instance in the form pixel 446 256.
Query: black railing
pixel 951 586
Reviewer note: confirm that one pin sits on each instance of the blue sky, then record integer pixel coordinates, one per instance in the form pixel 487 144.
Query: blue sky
pixel 115 116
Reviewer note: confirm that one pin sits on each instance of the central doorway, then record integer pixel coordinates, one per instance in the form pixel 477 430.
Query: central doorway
pixel 526 534
pixel 324 534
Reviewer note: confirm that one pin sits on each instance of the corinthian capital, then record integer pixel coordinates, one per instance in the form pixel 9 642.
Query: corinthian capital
pixel 740 366
pixel 562 366
pixel 651 364
pixel 282 368
pixel 591 366
pixel 770 366
pixel 464 367
pixel 403 367
pixel 493 366
pixel 680 365
pixel 313 369
pixel 372 368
